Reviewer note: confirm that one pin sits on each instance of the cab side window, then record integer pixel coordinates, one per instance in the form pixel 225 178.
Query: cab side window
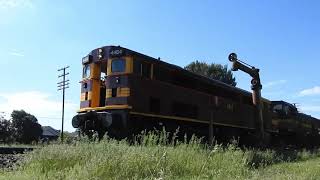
pixel 137 67
pixel 142 68
pixel 161 73
pixel 146 70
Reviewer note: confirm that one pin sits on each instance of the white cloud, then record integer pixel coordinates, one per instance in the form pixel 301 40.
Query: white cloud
pixel 9 4
pixel 15 53
pixel 312 91
pixel 47 111
pixel 274 83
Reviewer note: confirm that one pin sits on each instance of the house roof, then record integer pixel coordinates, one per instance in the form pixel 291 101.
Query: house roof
pixel 49 131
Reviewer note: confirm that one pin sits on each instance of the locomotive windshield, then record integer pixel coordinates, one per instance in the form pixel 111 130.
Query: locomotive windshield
pixel 86 71
pixel 277 108
pixel 283 108
pixel 118 65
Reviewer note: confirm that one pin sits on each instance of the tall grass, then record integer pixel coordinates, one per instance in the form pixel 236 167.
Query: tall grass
pixel 149 156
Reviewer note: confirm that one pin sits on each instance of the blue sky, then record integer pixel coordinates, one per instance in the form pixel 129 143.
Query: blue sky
pixel 37 37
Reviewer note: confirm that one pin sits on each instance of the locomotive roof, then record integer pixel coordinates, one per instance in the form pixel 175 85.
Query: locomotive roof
pixel 283 102
pixel 107 55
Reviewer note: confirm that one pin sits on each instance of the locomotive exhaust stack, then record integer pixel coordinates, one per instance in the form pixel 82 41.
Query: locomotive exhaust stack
pixel 255 86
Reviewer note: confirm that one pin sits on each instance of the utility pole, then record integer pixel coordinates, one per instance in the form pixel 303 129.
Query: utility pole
pixel 62 85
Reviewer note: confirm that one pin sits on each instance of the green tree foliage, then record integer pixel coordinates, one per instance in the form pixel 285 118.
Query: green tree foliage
pixel 6 131
pixel 214 71
pixel 26 127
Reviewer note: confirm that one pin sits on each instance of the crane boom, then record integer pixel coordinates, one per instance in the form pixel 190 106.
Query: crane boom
pixel 255 86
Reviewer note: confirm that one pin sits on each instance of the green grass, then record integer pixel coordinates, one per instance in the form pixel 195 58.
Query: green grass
pixel 156 157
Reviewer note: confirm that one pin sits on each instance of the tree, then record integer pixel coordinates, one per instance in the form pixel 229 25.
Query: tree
pixel 26 127
pixel 214 71
pixel 5 130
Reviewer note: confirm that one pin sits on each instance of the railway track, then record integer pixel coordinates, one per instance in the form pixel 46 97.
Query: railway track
pixel 14 150
pixel 11 156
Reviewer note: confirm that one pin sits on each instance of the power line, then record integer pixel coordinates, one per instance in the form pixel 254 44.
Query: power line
pixel 63 85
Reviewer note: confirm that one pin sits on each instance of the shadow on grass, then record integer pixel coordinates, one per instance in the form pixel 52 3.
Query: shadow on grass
pixel 262 158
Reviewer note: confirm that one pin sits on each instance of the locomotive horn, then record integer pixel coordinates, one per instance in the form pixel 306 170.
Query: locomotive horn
pixel 232 57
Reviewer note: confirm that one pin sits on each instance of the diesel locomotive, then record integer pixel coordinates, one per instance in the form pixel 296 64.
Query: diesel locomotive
pixel 124 92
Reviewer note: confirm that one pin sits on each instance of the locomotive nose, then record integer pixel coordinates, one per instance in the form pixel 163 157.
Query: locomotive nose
pixel 76 121
pixel 103 119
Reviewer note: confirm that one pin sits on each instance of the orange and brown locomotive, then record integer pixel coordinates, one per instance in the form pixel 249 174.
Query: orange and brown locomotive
pixel 124 92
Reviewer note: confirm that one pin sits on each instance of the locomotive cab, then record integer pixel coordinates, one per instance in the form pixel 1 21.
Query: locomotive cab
pixel 104 90
pixel 292 125
pixel 285 117
pixel 283 109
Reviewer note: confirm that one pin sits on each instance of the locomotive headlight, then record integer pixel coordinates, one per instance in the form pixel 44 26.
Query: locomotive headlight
pixel 100 53
pixel 232 57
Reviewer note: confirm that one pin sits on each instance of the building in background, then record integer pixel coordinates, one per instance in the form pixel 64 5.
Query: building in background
pixel 49 133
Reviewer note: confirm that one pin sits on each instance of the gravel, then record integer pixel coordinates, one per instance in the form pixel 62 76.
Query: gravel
pixel 8 161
